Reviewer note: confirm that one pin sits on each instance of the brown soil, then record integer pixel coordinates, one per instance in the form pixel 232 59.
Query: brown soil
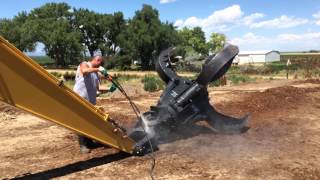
pixel 283 142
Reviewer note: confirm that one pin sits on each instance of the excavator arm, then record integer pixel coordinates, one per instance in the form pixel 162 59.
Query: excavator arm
pixel 27 86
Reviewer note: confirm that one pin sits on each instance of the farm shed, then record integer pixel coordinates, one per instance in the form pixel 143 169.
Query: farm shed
pixel 302 58
pixel 245 57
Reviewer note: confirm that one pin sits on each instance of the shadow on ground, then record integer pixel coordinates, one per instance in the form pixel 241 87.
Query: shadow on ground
pixel 183 133
pixel 75 167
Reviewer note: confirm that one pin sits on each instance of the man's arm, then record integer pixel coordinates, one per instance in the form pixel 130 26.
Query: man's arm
pixel 101 76
pixel 85 69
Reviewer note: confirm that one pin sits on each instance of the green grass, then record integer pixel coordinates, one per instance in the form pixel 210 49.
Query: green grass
pixel 152 83
pixel 57 74
pixel 237 79
pixel 234 70
pixel 266 69
pixel 126 77
pixel 214 84
pixel 69 84
pixel 276 67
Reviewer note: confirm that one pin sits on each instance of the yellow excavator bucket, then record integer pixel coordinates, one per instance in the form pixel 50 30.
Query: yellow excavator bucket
pixel 26 85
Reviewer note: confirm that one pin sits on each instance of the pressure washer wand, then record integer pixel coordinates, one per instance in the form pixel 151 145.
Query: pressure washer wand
pixel 136 110
pixel 133 105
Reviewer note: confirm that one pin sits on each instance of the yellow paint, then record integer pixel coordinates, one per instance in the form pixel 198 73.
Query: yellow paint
pixel 26 85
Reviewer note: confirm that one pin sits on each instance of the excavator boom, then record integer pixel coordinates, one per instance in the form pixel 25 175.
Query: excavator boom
pixel 27 86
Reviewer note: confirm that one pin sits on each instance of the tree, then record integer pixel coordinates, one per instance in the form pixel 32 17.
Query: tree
pixel 167 37
pixel 17 32
pixel 87 23
pixel 66 33
pixel 194 39
pixel 148 36
pixel 52 24
pixel 143 30
pixel 216 42
pixel 199 41
pixel 113 27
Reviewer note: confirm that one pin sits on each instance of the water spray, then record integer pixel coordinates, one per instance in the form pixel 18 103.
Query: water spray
pixel 147 131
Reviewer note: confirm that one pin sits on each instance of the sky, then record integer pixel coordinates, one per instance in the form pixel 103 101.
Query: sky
pixel 283 25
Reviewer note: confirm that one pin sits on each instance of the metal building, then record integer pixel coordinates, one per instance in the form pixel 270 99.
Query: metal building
pixel 252 57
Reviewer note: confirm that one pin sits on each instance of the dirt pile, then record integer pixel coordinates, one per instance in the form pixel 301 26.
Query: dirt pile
pixel 312 81
pixel 270 100
pixel 274 98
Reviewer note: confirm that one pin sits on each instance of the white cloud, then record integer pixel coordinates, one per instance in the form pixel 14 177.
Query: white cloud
pixel 167 1
pixel 220 20
pixel 179 23
pixel 317 17
pixel 249 38
pixel 231 17
pixel 192 22
pixel 280 22
pixel 252 18
pixel 282 42
pixel 228 18
pixel 300 37
pixel 304 41
pixel 289 37
pixel 227 15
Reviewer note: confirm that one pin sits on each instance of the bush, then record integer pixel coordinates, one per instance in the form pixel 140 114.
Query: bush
pixel 276 67
pixel 69 76
pixel 152 83
pixel 187 66
pixel 220 82
pixel 267 69
pixel 160 84
pixel 214 84
pixel 192 62
pixel 43 60
pixel 233 70
pixel 236 79
pixel 56 74
pixel 249 69
pixel 311 73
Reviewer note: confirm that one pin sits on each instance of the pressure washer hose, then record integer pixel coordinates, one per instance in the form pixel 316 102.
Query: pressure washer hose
pixel 138 114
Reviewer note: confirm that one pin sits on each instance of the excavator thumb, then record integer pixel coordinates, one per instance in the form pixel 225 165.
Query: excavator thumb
pixel 185 102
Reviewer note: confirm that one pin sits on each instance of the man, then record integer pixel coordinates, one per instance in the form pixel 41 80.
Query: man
pixel 87 84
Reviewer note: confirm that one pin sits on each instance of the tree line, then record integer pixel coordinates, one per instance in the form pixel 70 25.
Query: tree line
pixel 69 35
